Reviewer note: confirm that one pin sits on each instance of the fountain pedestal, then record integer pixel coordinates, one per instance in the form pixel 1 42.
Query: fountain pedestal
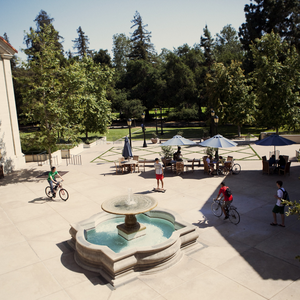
pixel 131 229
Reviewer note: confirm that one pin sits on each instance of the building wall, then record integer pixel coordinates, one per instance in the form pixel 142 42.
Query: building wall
pixel 12 156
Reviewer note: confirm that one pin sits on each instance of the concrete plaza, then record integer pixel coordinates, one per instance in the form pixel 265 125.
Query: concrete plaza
pixel 251 260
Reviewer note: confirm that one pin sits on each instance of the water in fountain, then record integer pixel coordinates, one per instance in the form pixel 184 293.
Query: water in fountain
pixel 106 233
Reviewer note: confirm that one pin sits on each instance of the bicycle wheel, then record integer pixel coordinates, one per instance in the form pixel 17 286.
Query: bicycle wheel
pixel 63 194
pixel 48 192
pixel 216 209
pixel 225 171
pixel 234 216
pixel 236 169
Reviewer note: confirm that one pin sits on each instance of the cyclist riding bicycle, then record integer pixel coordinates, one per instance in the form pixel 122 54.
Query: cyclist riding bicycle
pixel 225 191
pixel 51 180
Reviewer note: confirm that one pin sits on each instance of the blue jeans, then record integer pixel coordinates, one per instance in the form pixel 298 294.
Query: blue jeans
pixel 51 186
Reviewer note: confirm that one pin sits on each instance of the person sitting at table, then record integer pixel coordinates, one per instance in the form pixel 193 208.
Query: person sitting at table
pixel 272 160
pixel 281 162
pixel 177 156
pixel 210 164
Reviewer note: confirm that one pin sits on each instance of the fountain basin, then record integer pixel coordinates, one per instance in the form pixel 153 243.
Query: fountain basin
pixel 122 266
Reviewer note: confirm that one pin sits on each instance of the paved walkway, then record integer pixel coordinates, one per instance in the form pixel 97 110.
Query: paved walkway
pixel 252 260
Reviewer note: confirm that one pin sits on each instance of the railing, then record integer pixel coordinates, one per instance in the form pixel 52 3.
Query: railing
pixel 74 160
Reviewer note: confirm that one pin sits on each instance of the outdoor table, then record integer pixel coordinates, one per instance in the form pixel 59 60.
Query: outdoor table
pixel 129 164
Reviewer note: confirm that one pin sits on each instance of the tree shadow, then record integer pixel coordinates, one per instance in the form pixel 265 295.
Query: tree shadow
pixel 20 176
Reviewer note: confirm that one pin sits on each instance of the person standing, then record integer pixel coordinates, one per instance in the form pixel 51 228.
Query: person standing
pixel 226 193
pixel 279 207
pixel 210 164
pixel 159 173
pixel 51 179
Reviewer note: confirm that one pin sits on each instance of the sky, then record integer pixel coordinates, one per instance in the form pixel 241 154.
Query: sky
pixel 172 23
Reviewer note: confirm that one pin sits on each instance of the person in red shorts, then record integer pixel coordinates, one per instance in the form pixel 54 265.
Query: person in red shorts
pixel 227 199
pixel 159 173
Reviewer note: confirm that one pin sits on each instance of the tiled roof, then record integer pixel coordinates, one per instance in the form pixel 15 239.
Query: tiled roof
pixel 1 38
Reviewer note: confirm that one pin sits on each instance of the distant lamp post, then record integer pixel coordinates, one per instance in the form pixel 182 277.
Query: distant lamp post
pixel 216 120
pixel 212 114
pixel 156 121
pixel 161 123
pixel 129 126
pixel 143 118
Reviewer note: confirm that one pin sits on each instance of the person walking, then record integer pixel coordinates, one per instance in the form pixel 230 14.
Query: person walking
pixel 226 193
pixel 279 207
pixel 159 173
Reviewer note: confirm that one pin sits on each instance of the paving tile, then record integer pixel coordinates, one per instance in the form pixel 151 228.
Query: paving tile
pixel 135 289
pixel 50 245
pixel 211 286
pixel 61 295
pixel 291 292
pixel 31 282
pixel 259 272
pixel 42 225
pixel 285 245
pixel 10 235
pixel 16 256
pixel 66 271
pixel 4 219
pixel 91 290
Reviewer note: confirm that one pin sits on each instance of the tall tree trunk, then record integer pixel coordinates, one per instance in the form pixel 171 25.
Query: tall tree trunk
pixel 277 132
pixel 239 130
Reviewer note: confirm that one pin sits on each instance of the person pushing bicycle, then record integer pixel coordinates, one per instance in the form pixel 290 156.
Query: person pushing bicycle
pixel 226 193
pixel 51 179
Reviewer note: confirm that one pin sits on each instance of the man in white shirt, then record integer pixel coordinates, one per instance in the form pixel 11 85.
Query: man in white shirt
pixel 210 164
pixel 279 207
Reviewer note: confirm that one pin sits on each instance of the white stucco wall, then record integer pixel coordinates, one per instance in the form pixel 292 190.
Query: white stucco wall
pixel 12 156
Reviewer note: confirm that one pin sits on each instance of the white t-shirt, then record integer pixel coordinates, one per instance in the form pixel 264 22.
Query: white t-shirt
pixel 158 168
pixel 280 195
pixel 208 160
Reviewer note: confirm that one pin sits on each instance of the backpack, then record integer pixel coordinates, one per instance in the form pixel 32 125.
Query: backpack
pixel 228 192
pixel 285 195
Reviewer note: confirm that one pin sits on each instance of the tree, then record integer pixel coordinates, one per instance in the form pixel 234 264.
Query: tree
pixel 121 50
pixel 276 80
pixel 102 57
pixel 42 21
pixel 207 43
pixel 142 48
pixel 82 44
pixel 265 16
pixel 227 46
pixel 230 94
pixel 96 108
pixel 42 91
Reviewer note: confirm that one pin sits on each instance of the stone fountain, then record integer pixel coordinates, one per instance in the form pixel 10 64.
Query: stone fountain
pixel 139 252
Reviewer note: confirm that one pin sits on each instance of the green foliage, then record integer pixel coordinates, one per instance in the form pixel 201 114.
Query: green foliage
pixel 276 81
pixel 121 50
pixel 207 43
pixel 81 44
pixel 183 113
pixel 167 152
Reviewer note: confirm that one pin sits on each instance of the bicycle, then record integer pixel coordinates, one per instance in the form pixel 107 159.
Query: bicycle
pixel 63 193
pixel 230 167
pixel 231 212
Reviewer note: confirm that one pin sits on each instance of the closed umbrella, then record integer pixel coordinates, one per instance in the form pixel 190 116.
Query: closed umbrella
pixel 178 140
pixel 274 140
pixel 127 149
pixel 218 141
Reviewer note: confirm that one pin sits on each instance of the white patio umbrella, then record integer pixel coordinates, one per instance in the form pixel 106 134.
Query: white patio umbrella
pixel 218 141
pixel 178 140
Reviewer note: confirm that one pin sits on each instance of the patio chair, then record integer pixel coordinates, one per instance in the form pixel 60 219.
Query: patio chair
pixel 206 168
pixel 286 158
pixel 179 167
pixel 190 166
pixel 136 157
pixel 229 158
pixel 264 158
pixel 286 169
pixel 167 164
pixel 118 168
pixel 266 168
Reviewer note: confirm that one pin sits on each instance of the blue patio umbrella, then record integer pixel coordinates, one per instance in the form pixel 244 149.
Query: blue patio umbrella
pixel 218 141
pixel 178 140
pixel 127 149
pixel 274 140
